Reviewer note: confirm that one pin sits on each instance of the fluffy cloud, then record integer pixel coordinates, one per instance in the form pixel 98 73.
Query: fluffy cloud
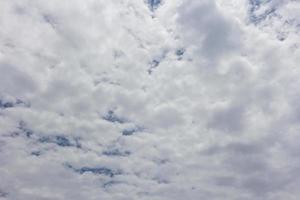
pixel 149 99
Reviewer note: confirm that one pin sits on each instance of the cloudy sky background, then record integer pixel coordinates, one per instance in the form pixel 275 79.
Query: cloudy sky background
pixel 121 100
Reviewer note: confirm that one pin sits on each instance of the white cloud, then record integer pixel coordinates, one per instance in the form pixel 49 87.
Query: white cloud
pixel 208 29
pixel 110 100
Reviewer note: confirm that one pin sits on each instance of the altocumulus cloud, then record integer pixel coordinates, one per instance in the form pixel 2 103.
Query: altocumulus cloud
pixel 149 100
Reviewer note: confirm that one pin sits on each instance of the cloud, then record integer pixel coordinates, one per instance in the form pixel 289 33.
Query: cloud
pixel 208 28
pixel 128 100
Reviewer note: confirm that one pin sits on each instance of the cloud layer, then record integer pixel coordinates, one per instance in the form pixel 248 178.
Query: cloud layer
pixel 149 99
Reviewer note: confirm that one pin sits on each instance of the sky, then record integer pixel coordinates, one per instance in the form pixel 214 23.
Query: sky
pixel 149 99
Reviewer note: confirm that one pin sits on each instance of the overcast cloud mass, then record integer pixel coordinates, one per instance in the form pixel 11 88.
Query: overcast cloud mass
pixel 149 100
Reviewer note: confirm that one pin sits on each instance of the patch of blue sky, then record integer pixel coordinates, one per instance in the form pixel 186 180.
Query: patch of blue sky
pixel 10 104
pixel 256 17
pixel 24 129
pixel 94 170
pixel 112 117
pixel 36 153
pixel 59 140
pixel 154 4
pixel 116 152
pixel 131 131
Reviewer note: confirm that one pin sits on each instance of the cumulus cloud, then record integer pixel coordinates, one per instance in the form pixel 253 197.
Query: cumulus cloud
pixel 141 99
pixel 208 28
